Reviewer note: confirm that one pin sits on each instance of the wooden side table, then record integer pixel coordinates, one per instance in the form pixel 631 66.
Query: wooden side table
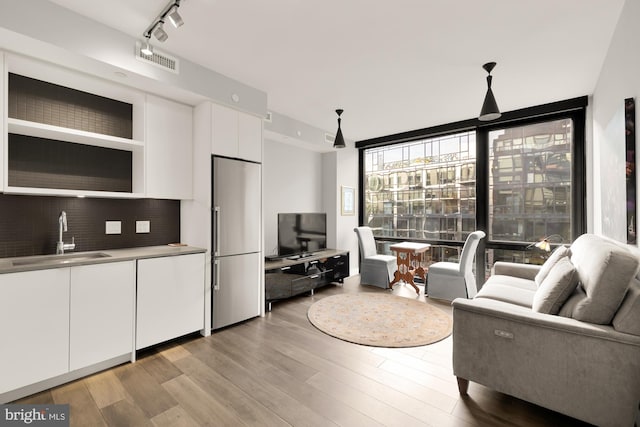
pixel 410 260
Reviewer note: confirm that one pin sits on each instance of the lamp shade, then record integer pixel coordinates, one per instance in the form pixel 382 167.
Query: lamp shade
pixel 489 109
pixel 339 141
pixel 544 245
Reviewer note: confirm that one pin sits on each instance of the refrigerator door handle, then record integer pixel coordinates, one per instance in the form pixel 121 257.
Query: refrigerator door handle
pixel 216 243
pixel 216 284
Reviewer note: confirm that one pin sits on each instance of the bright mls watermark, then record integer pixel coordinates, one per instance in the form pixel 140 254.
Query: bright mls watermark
pixel 34 415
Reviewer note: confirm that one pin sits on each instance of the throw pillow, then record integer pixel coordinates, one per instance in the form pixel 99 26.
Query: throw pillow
pixel 560 252
pixel 555 288
pixel 605 269
pixel 627 318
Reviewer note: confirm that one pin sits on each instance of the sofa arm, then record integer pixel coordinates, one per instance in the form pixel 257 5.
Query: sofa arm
pixel 523 271
pixel 590 372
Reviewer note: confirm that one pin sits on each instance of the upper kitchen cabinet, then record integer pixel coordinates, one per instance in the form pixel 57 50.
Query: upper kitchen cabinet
pixel 168 149
pixel 69 133
pixel 235 134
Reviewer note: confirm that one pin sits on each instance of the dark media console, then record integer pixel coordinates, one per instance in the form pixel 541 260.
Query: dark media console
pixel 287 277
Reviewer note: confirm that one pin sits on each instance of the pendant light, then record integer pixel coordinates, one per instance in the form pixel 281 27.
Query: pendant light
pixel 339 141
pixel 489 109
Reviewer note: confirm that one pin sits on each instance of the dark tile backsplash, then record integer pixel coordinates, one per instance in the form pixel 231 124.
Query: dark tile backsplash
pixel 29 224
pixel 46 163
pixel 42 102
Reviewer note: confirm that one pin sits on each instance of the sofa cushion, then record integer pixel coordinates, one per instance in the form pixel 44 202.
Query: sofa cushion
pixel 605 269
pixel 507 293
pixel 517 282
pixel 556 255
pixel 555 288
pixel 627 318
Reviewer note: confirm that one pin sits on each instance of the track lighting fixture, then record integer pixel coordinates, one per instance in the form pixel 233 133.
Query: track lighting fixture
pixel 174 16
pixel 157 26
pixel 146 48
pixel 159 32
pixel 339 141
pixel 489 109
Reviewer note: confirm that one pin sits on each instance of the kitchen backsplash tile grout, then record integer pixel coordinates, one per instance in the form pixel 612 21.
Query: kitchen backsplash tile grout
pixel 29 224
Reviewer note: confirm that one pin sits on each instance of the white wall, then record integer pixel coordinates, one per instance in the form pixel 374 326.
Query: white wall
pixel 341 169
pixel 619 79
pixel 292 182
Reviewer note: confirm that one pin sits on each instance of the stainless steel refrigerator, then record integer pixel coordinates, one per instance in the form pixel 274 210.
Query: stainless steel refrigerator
pixel 236 241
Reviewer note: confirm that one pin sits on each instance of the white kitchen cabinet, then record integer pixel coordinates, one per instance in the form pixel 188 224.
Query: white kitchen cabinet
pixel 235 134
pixel 28 67
pixel 102 312
pixel 171 298
pixel 249 137
pixel 34 327
pixel 3 135
pixel 168 149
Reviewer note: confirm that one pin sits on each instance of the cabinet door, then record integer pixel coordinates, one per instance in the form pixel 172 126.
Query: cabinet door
pixel 168 149
pixel 170 299
pixel 34 327
pixel 249 137
pixel 2 115
pixel 102 306
pixel 224 131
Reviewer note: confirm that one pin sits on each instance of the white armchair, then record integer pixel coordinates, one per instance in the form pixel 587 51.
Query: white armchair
pixel 450 280
pixel 376 270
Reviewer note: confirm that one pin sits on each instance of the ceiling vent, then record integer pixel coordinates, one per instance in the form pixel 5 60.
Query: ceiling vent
pixel 159 59
pixel 329 138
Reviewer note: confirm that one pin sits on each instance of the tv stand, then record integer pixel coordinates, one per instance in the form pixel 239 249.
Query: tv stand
pixel 288 277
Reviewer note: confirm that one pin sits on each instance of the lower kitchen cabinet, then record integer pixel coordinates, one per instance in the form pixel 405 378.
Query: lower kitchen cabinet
pixel 102 312
pixel 171 297
pixel 34 327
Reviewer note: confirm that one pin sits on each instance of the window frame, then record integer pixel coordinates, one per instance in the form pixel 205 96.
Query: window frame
pixel 574 109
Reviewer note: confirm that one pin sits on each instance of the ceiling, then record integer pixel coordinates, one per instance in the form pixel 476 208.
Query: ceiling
pixel 392 66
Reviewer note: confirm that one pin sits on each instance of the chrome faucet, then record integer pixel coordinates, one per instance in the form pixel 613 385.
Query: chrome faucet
pixel 62 227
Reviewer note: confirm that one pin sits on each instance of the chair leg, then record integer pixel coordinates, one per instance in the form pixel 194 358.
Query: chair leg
pixel 463 386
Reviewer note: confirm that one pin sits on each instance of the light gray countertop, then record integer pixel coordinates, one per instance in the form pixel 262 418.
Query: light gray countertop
pixel 71 259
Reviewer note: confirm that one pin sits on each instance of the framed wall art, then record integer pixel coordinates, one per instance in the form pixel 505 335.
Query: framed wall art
pixel 348 201
pixel 630 168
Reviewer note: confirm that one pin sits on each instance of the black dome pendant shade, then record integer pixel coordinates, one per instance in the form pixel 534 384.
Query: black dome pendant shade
pixel 489 109
pixel 339 141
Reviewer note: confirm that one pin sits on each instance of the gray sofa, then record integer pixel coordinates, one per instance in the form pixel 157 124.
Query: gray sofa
pixel 565 336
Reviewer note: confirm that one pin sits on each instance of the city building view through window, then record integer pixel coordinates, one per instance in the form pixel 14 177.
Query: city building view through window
pixel 422 189
pixel 425 190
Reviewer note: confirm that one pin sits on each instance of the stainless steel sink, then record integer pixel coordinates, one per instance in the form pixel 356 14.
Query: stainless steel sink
pixel 59 259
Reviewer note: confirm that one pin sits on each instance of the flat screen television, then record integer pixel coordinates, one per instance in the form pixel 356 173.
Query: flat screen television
pixel 301 233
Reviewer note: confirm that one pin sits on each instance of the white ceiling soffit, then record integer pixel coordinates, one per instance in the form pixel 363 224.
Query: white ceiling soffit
pixel 392 66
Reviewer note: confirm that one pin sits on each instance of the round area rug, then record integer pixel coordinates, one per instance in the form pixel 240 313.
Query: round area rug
pixel 380 320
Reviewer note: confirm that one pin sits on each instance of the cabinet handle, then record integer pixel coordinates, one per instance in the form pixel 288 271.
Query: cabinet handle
pixel 315 276
pixel 216 285
pixel 285 268
pixel 313 262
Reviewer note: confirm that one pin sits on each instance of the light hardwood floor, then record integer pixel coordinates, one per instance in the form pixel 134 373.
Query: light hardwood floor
pixel 281 371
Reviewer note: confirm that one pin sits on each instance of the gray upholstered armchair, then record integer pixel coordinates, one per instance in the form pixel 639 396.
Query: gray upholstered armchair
pixel 376 270
pixel 450 280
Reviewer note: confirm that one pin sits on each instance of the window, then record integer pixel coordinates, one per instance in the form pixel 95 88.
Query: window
pixel 530 187
pixel 519 178
pixel 422 189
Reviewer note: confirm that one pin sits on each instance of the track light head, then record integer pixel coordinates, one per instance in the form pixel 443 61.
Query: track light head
pixel 146 49
pixel 174 16
pixel 159 32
